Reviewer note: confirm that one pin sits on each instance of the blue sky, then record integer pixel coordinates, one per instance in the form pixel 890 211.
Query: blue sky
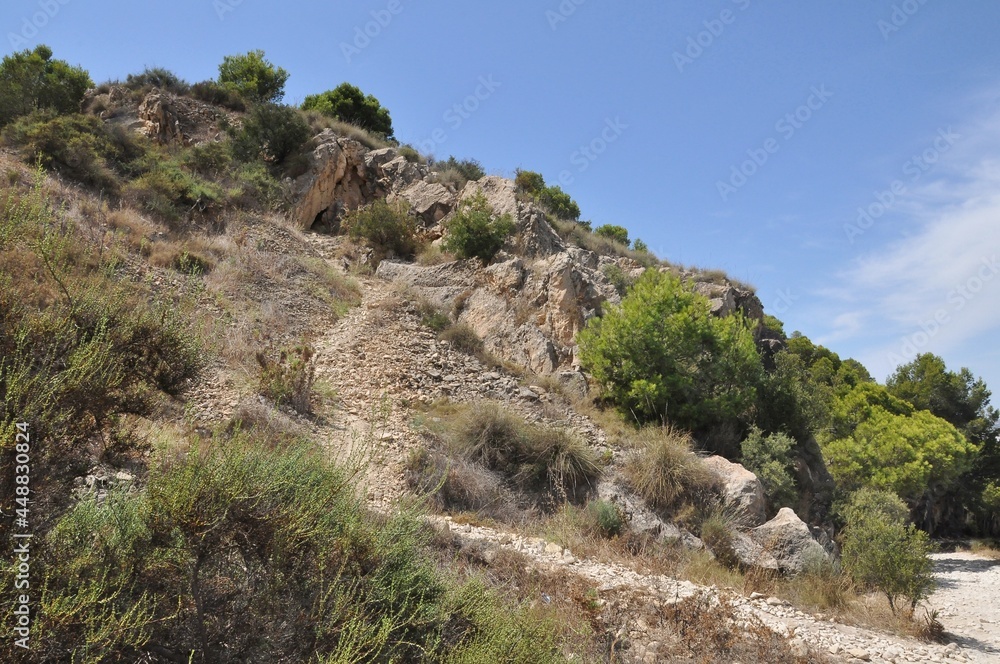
pixel 732 134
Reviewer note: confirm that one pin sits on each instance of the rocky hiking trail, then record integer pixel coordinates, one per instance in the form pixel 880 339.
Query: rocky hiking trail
pixel 380 360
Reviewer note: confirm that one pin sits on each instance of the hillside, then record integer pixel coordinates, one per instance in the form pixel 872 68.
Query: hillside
pixel 283 390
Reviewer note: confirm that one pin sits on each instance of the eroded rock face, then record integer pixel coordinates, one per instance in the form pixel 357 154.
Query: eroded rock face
pixel 160 121
pixel 787 538
pixel 342 175
pixel 742 491
pixel 336 180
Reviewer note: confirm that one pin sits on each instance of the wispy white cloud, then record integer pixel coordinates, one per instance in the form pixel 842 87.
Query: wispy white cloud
pixel 937 288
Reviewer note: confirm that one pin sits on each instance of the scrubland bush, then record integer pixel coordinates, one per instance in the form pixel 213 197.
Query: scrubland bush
pixel 770 458
pixel 33 81
pixel 157 77
pixel 388 229
pixel 457 172
pixel 253 77
pixel 664 470
pixel 463 338
pixel 213 93
pixel 475 231
pixel 535 457
pixel 348 103
pixel 270 133
pixel 614 232
pixel 288 379
pixel 882 552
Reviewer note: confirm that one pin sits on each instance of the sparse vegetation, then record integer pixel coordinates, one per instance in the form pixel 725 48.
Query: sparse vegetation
pixel 664 470
pixel 388 229
pixel 475 231
pixel 614 233
pixel 288 379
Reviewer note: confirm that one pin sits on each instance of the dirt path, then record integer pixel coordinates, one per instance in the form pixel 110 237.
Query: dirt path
pixel 968 599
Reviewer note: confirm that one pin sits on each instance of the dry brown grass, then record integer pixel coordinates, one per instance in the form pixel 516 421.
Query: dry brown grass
pixel 666 473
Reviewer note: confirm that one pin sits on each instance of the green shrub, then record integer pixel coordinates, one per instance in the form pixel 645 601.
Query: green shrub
pixel 270 133
pixel 558 203
pixel 411 155
pixel 157 77
pixel 166 189
pixel 32 81
pixel 253 77
pixel 213 93
pixel 661 355
pixel 882 552
pixel 469 169
pixel 621 281
pixel 640 246
pixel 529 182
pixel 717 534
pixel 258 188
pixel 475 231
pixel 607 518
pixel 349 104
pixel 289 379
pixel 81 147
pixel 869 502
pixel 665 472
pixel 770 458
pixel 387 227
pixel 614 233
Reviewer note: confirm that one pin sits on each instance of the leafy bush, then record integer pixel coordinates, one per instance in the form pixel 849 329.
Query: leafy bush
pixel 81 147
pixel 470 169
pixel 475 231
pixel 770 458
pixel 270 133
pixel 348 103
pixel 559 203
pixel 621 281
pixel 607 518
pixel 32 80
pixel 387 227
pixel 253 77
pixel 882 552
pixel 662 356
pixel 666 473
pixel 166 189
pixel 213 93
pixel 157 77
pixel 640 246
pixel 289 379
pixel 529 182
pixel 614 232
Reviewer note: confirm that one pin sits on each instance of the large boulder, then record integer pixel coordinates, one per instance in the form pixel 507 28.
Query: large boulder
pixel 787 538
pixel 429 201
pixel 743 494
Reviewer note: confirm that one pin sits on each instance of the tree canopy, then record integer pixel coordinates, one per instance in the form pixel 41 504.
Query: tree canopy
pixel 33 80
pixel 253 77
pixel 661 354
pixel 348 103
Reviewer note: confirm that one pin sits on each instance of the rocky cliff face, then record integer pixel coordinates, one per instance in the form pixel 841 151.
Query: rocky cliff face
pixel 530 303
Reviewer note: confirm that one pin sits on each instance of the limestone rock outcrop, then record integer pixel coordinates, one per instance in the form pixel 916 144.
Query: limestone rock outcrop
pixel 788 539
pixel 742 492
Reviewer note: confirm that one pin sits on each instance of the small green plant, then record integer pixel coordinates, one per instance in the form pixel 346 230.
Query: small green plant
pixel 289 378
pixel 717 534
pixel 475 231
pixel 467 169
pixel 607 518
pixel 213 93
pixel 388 228
pixel 559 203
pixel 621 281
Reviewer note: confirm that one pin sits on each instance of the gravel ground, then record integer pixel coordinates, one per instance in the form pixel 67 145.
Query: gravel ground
pixel 968 599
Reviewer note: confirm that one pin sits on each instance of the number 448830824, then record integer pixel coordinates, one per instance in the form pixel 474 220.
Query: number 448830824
pixel 22 448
